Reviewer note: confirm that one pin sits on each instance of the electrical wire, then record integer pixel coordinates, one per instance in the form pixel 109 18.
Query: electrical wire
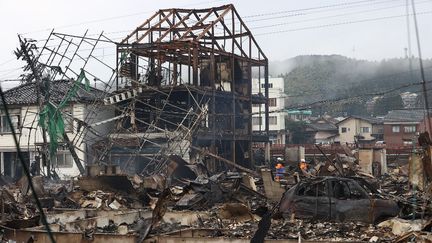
pixel 110 18
pixel 7 61
pixel 314 8
pixel 330 16
pixel 322 26
pixel 344 98
pixel 340 23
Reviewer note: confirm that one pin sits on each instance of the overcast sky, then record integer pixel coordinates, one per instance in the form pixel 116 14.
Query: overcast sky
pixel 368 29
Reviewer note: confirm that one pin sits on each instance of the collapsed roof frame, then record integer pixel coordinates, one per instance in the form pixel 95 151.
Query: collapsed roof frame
pixel 174 26
pixel 63 57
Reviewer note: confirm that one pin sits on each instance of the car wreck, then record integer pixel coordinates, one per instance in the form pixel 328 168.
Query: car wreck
pixel 337 199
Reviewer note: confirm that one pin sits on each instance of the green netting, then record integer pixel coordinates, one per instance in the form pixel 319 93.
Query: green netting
pixel 123 58
pixel 51 119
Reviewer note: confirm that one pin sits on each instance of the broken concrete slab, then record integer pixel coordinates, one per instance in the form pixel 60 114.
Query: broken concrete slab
pixel 401 226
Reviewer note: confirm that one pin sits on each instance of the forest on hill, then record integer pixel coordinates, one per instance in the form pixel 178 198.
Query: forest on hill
pixel 341 86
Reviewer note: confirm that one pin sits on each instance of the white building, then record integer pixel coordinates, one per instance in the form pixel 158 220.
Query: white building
pixel 84 109
pixel 277 113
pixel 359 129
pixel 409 99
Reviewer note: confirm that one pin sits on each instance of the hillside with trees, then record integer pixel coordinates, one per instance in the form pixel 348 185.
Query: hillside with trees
pixel 341 86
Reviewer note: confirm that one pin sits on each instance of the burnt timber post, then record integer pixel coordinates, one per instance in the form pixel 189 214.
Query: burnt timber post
pixel 266 93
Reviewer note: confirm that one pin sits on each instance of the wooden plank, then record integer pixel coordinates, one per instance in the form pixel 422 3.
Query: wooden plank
pixel 229 162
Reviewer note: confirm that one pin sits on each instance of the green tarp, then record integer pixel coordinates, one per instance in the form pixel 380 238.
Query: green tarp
pixel 51 119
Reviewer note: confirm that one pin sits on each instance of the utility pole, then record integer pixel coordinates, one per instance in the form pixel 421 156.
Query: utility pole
pixel 423 81
pixel 25 52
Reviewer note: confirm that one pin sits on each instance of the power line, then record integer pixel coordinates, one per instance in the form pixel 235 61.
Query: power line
pixel 8 61
pixel 248 16
pixel 326 7
pixel 111 18
pixel 318 26
pixel 338 99
pixel 317 7
pixel 337 24
pixel 330 16
pixel 361 81
pixel 299 21
pixel 272 17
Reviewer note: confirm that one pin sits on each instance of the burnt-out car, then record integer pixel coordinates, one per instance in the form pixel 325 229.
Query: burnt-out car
pixel 337 199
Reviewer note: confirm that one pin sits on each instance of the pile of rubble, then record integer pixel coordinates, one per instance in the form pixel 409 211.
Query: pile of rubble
pixel 188 199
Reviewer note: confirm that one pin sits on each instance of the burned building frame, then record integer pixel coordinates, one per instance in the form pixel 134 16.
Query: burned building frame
pixel 185 86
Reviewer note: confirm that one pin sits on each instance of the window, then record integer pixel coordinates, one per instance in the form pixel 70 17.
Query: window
pixel 340 190
pixel 365 129
pixel 313 190
pixel 307 190
pixel 256 121
pixel 356 191
pixel 256 105
pixel 344 190
pixel 395 129
pixel 272 120
pixel 343 129
pixel 63 159
pixel 272 101
pixel 322 189
pixel 68 118
pixel 410 129
pixel 270 85
pixel 4 125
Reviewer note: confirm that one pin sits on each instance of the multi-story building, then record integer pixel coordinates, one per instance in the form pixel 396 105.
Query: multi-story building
pixel 181 94
pixel 401 126
pixel 80 116
pixel 277 112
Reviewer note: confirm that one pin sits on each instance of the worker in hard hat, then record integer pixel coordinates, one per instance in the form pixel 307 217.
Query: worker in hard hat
pixel 280 171
pixel 303 165
pixel 304 168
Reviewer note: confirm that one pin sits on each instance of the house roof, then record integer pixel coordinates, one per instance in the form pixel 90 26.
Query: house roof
pixel 322 127
pixel 326 124
pixel 26 94
pixel 372 120
pixel 404 116
pixel 325 119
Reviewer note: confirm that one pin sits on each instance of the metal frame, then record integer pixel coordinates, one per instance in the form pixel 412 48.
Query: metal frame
pixel 210 52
